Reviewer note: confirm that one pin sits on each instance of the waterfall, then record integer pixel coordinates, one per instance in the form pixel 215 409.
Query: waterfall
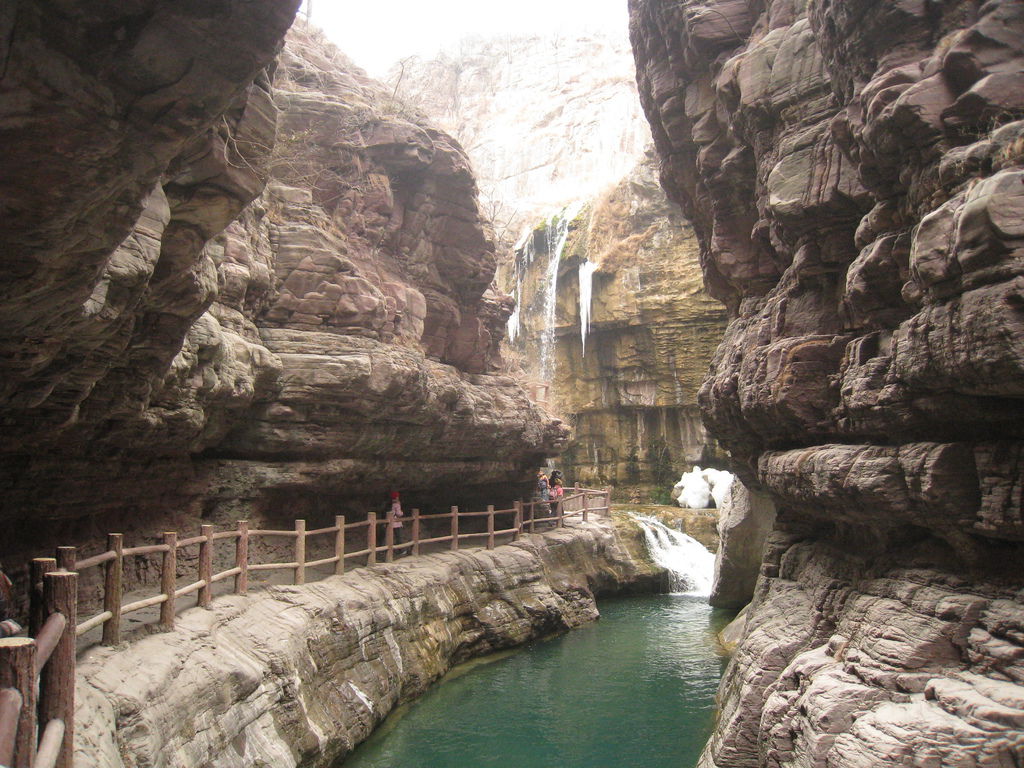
pixel 587 269
pixel 690 566
pixel 557 231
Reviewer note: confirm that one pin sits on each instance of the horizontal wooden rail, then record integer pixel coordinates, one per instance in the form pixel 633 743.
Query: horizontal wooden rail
pixel 151 549
pixel 149 602
pixel 190 542
pixel 225 575
pixel 50 745
pixel 95 560
pixel 48 637
pixel 94 622
pixel 286 534
pixel 274 566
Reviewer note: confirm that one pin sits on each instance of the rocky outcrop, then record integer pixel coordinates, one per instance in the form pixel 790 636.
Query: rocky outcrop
pixel 625 368
pixel 547 119
pixel 852 171
pixel 300 675
pixel 744 523
pixel 180 343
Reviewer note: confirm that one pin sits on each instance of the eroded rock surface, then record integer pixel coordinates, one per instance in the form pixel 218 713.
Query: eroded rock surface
pixel 300 675
pixel 238 287
pixel 853 171
pixel 744 523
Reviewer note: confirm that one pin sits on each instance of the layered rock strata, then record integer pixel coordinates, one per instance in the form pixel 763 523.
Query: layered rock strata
pixel 300 675
pixel 626 365
pixel 179 343
pixel 853 172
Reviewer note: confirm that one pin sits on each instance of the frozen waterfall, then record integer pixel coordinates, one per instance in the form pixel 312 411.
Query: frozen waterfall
pixel 557 232
pixel 690 566
pixel 587 269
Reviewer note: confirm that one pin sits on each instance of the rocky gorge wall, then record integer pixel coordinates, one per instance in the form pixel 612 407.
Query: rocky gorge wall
pixel 182 340
pixel 854 174
pixel 624 367
pixel 300 675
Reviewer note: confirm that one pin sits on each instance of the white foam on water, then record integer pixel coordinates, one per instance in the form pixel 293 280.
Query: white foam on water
pixel 690 566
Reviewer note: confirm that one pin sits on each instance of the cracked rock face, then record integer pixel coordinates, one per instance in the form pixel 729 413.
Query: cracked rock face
pixel 853 171
pixel 240 287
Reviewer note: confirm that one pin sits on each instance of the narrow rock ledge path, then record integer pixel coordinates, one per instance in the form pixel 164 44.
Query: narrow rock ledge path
pixel 299 675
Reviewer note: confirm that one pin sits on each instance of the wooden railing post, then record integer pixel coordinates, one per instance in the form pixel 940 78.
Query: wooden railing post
pixel 389 537
pixel 415 531
pixel 586 506
pixel 607 501
pixel 490 526
pixel 206 565
pixel 455 529
pixel 18 671
pixel 57 681
pixel 36 605
pixel 559 515
pixel 339 545
pixel 113 589
pixel 67 558
pixel 169 579
pixel 300 551
pixel 533 517
pixel 518 525
pixel 10 711
pixel 242 558
pixel 371 538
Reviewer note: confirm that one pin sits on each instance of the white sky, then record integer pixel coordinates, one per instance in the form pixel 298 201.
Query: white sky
pixel 377 33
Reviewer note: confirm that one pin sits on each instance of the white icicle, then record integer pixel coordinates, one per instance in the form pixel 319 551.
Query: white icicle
pixel 587 270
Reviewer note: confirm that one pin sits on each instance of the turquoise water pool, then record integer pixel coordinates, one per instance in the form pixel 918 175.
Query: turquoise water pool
pixel 634 690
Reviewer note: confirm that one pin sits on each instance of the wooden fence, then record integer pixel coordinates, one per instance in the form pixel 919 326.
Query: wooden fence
pixel 37 674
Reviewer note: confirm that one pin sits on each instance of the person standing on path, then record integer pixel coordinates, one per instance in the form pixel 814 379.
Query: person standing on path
pixel 396 518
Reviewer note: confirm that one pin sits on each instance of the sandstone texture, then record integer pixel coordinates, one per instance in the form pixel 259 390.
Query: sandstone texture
pixel 853 173
pixel 546 119
pixel 626 377
pixel 744 523
pixel 299 675
pixel 237 286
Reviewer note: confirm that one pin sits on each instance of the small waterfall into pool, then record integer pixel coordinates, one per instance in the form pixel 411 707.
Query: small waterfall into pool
pixel 690 566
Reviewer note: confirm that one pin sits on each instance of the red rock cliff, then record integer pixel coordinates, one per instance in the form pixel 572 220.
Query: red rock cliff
pixel 854 173
pixel 175 341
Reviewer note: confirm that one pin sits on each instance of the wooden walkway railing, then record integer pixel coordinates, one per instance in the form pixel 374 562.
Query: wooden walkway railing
pixel 37 674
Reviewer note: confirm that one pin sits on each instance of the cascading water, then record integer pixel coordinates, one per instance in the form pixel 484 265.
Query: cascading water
pixel 690 566
pixel 557 232
pixel 587 270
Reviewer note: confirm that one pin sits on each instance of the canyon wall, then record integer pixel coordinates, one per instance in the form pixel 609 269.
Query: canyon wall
pixel 551 121
pixel 236 286
pixel 626 364
pixel 546 119
pixel 853 172
pixel 312 670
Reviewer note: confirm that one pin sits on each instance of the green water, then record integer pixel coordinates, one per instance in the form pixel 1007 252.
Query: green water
pixel 634 690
